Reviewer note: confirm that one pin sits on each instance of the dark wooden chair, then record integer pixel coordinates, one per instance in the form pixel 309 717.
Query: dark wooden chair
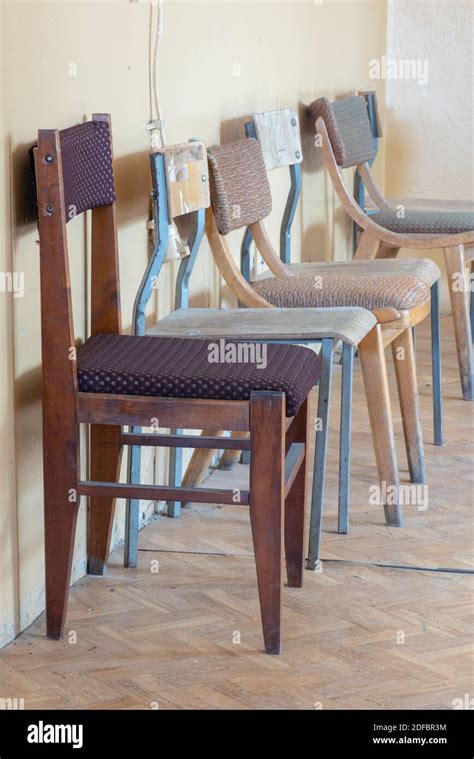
pixel 116 380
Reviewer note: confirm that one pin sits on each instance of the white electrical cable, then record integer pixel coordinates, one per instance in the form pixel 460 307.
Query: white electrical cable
pixel 157 125
pixel 176 248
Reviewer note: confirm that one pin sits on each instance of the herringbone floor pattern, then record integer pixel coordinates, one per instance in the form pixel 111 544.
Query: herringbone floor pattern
pixel 356 636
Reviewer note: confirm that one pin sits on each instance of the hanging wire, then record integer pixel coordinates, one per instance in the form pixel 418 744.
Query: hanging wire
pixel 157 124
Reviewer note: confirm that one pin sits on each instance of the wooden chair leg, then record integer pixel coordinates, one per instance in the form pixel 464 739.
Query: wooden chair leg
pixel 200 462
pixel 106 454
pixel 367 246
pixel 61 505
pixel 374 372
pixel 295 510
pixel 230 458
pixel 471 297
pixel 454 258
pixel 267 464
pixel 405 370
pixel 387 251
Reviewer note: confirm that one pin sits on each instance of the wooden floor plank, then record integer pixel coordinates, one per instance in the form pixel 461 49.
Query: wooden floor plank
pixel 356 635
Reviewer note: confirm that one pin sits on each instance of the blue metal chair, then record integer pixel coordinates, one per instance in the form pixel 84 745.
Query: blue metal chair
pixel 279 136
pixel 319 326
pixel 166 174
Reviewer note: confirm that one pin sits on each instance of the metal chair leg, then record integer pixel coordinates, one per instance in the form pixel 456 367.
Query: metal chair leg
pixel 436 365
pixel 320 455
pixel 345 437
pixel 471 298
pixel 175 474
pixel 132 507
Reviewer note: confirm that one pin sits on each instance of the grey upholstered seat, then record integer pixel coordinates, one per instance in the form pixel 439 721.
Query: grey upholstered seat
pixel 426 222
pixel 422 268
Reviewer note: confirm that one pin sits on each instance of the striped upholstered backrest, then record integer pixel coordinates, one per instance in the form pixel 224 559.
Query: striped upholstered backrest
pixel 86 157
pixel 348 127
pixel 240 193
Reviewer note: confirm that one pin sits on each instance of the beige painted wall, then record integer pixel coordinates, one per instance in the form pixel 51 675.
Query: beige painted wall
pixel 429 126
pixel 288 53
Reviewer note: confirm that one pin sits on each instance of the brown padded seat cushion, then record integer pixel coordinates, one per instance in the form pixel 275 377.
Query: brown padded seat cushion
pixel 180 368
pixel 344 289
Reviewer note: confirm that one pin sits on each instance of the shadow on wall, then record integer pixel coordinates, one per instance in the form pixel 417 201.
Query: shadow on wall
pixel 132 180
pixel 233 129
pixel 24 196
pixel 315 238
pixel 133 187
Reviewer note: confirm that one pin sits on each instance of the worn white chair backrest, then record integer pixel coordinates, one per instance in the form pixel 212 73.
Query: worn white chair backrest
pixel 187 177
pixel 278 133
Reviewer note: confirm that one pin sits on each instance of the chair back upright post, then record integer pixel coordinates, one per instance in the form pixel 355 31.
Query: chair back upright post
pixel 169 168
pixel 142 298
pixel 160 247
pixel 74 173
pixel 279 137
pixel 180 185
pixel 374 119
pixel 105 440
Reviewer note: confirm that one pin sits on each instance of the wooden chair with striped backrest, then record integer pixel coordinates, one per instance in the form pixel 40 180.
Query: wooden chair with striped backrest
pixel 240 196
pixel 347 141
pixel 278 135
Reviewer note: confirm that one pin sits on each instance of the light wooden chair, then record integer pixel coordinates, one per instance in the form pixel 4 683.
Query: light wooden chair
pixel 240 197
pixel 180 185
pixel 279 138
pixel 347 141
pixel 115 380
pixel 278 134
pixel 423 204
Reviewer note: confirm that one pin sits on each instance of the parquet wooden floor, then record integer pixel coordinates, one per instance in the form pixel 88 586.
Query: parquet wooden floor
pixel 356 636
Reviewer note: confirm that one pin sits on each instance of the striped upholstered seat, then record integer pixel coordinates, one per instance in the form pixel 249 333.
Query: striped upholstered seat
pixel 426 222
pixel 421 268
pixel 332 288
pixel 240 195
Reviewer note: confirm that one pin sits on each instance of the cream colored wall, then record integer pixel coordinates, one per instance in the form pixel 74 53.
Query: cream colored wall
pixel 9 593
pixel 288 53
pixel 429 127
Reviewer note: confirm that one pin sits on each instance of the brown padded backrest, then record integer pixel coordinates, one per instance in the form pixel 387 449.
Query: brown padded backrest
pixel 240 192
pixel 348 125
pixel 86 156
